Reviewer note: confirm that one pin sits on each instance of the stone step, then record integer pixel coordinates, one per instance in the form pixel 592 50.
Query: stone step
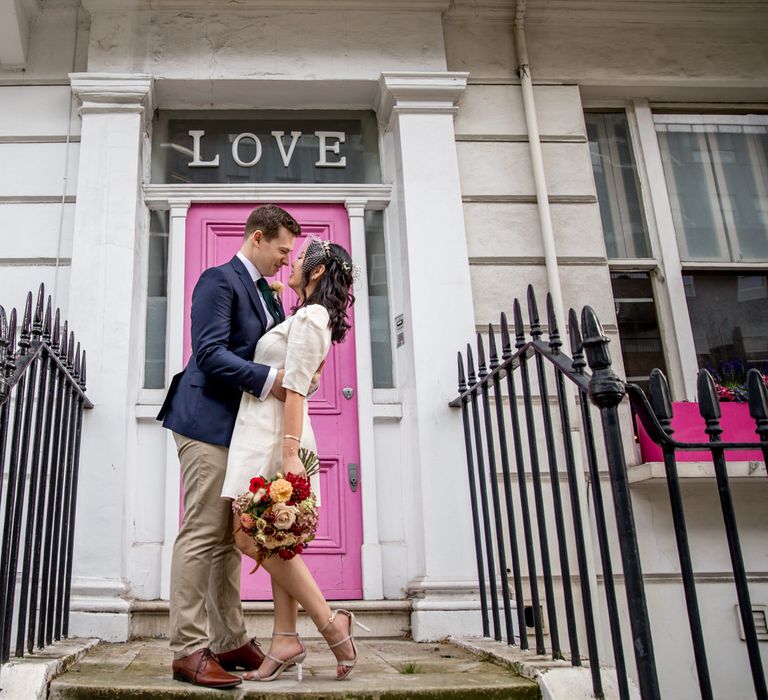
pixel 386 618
pixel 387 669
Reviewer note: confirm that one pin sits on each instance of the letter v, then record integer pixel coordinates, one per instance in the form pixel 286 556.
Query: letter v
pixel 295 136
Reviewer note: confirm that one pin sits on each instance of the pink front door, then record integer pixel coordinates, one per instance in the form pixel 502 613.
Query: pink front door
pixel 214 235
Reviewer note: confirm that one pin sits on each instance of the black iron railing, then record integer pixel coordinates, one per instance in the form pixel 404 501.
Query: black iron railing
pixel 511 393
pixel 42 397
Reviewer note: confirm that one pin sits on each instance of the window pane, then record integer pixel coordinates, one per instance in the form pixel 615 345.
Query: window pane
pixel 378 299
pixel 729 317
pixel 618 187
pixel 641 347
pixel 154 350
pixel 717 181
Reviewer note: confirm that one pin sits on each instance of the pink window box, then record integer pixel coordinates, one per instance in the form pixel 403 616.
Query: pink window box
pixel 688 424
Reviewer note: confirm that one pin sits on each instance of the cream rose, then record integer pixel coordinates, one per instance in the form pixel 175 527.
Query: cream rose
pixel 285 516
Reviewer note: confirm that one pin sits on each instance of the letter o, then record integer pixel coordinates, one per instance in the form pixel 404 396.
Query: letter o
pixel 236 148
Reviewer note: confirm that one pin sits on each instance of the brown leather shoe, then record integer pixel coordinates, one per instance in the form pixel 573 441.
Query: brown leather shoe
pixel 202 668
pixel 248 657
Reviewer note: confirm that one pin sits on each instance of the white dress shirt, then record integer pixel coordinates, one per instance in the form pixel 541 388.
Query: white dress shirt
pixel 255 274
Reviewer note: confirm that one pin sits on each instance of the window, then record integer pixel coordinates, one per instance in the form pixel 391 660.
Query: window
pixel 618 187
pixel 716 170
pixel 378 300
pixel 641 346
pixel 729 317
pixel 626 236
pixel 157 299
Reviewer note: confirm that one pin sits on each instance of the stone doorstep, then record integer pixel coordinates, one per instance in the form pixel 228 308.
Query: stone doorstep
pixel 386 618
pixel 140 670
pixel 27 678
pixel 558 680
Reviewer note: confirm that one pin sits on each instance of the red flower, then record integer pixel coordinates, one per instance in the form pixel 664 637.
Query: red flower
pixel 285 554
pixel 301 488
pixel 257 483
pixel 298 548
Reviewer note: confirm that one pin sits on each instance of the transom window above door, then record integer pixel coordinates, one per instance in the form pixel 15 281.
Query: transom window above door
pixel 322 147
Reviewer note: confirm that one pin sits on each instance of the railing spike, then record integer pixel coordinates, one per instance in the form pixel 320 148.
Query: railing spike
pixel 37 321
pixel 56 334
pixel 709 405
pixel 10 357
pixel 554 332
pixel 533 314
pixel 71 350
pixel 26 324
pixel 76 365
pixel 492 351
pixel 3 337
pixel 82 372
pixel 47 321
pixel 481 365
pixel 506 341
pixel 517 312
pixel 574 334
pixel 470 365
pixel 63 340
pixel 757 391
pixel 462 377
pixel 660 399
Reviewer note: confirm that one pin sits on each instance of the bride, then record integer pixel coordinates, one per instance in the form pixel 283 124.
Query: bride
pixel 267 438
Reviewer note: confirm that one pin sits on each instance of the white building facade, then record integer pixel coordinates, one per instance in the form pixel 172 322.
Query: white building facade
pixel 632 176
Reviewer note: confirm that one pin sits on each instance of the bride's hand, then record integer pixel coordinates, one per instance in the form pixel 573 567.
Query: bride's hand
pixel 293 465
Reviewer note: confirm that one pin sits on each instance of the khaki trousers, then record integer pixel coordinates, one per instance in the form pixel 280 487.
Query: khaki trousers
pixel 205 607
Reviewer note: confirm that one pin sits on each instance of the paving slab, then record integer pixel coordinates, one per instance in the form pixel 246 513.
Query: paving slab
pixel 140 670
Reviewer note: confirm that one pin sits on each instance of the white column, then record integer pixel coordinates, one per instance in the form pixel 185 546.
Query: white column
pixel 174 363
pixel 373 586
pixel 418 109
pixel 109 234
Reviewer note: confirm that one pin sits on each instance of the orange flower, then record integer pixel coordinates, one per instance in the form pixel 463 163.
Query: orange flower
pixel 280 490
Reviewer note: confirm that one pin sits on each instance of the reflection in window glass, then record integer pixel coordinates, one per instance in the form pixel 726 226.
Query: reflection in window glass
pixel 618 187
pixel 378 299
pixel 157 298
pixel 729 317
pixel 641 347
pixel 716 171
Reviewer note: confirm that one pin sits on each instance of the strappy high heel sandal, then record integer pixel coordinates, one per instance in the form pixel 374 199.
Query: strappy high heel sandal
pixel 349 664
pixel 282 664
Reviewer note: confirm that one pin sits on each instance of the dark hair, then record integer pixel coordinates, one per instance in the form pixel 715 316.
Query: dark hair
pixel 268 219
pixel 334 289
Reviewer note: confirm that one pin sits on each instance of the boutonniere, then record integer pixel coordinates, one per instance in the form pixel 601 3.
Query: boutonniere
pixel 276 287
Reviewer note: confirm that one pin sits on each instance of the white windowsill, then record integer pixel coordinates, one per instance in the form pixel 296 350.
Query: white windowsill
pixel 739 470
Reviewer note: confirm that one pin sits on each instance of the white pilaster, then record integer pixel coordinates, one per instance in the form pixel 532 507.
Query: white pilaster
pixel 174 363
pixel 418 109
pixel 373 585
pixel 105 280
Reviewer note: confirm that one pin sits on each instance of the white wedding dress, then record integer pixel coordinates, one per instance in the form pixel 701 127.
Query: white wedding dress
pixel 298 345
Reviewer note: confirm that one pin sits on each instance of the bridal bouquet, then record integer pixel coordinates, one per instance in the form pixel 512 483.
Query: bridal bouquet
pixel 280 514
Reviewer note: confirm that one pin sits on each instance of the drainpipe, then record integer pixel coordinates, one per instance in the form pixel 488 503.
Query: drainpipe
pixel 553 281
pixel 537 160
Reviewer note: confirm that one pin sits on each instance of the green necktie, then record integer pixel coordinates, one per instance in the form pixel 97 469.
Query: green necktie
pixel 269 298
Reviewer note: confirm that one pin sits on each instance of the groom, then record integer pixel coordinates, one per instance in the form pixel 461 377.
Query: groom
pixel 232 307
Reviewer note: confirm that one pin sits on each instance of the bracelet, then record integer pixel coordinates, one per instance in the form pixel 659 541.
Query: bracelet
pixel 292 437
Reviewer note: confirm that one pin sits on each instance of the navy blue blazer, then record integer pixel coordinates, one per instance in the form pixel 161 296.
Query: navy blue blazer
pixel 228 319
